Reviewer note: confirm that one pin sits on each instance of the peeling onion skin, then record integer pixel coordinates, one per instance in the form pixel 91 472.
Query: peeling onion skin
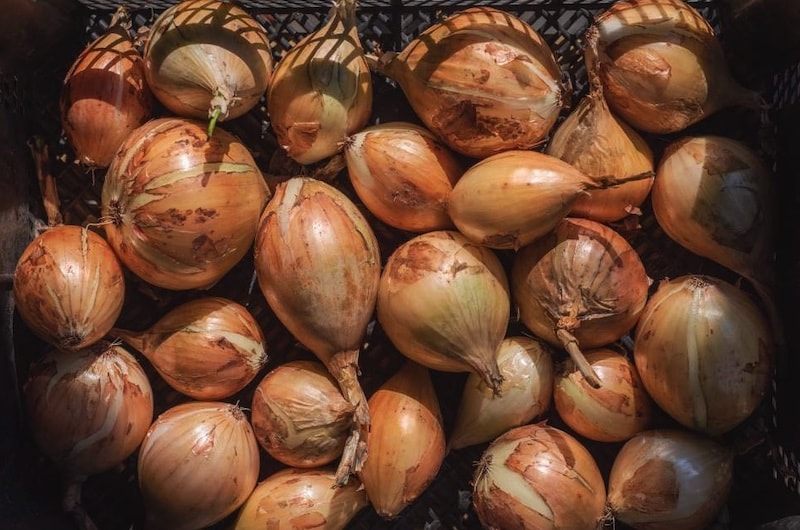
pixel 198 463
pixel 69 286
pixel 537 477
pixel 669 479
pixel 299 415
pixel 705 352
pixel 301 498
pixel 614 412
pixel 88 410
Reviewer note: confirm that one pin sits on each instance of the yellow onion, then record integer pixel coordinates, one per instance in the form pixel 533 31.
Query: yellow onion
pixel 614 412
pixel 661 65
pixel 318 263
pixel 406 442
pixel 537 477
pixel 526 365
pixel 181 210
pixel 596 142
pixel 403 174
pixel 444 303
pixel 483 80
pixel 299 415
pixel 665 479
pixel 69 286
pixel 207 59
pixel 105 95
pixel 705 352
pixel 583 286
pixel 198 463
pixel 209 348
pixel 321 90
pixel 301 498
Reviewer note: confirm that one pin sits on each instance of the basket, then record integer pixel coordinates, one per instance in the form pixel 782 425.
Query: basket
pixel 767 485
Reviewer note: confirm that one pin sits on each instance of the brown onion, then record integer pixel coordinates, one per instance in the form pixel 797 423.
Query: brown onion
pixel 444 303
pixel 209 348
pixel 666 479
pixel 69 287
pixel 705 352
pixel 198 463
pixel 538 477
pixel 583 286
pixel 182 209
pixel 299 415
pixel 105 95
pixel 318 265
pixel 614 412
pixel 403 174
pixel 301 498
pixel 406 442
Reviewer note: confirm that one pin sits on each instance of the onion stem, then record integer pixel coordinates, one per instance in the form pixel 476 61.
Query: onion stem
pixel 71 503
pixel 570 344
pixel 136 340
pixel 212 123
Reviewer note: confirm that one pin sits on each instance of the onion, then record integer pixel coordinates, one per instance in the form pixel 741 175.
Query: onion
pixel 299 415
pixel 444 303
pixel 661 65
pixel 705 352
pixel 614 412
pixel 209 348
pixel 182 210
pixel 207 58
pixel 321 90
pixel 406 442
pixel 538 477
pixel 69 287
pixel 482 79
pixel 526 366
pixel 403 174
pixel 301 498
pixel 318 265
pixel 666 479
pixel 105 95
pixel 581 287
pixel 198 463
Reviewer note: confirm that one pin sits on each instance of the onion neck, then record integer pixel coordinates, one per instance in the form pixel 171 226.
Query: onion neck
pixel 135 340
pixel 570 344
pixel 71 503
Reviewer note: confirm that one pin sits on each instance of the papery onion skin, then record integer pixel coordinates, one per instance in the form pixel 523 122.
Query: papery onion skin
pixel 705 352
pixel 528 372
pixel 299 415
pixel 183 208
pixel 665 479
pixel 88 410
pixel 208 348
pixel 482 80
pixel 105 95
pixel 537 477
pixel 69 286
pixel 301 498
pixel 614 412
pixel 444 303
pixel 198 463
pixel 403 174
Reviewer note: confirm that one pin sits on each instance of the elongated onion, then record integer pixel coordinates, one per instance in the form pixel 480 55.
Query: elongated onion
pixel 198 463
pixel 182 209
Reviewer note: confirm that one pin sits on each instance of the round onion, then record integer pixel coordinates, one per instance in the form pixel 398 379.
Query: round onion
pixel 69 286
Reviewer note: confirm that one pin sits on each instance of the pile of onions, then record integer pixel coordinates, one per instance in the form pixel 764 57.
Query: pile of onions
pixel 182 209
pixel 444 303
pixel 105 95
pixel 538 477
pixel 69 286
pixel 665 479
pixel 705 352
pixel 198 463
pixel 207 59
pixel 583 286
pixel 209 348
pixel 482 80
